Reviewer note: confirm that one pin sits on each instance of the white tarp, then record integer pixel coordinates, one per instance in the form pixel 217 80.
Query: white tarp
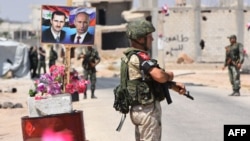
pixel 16 53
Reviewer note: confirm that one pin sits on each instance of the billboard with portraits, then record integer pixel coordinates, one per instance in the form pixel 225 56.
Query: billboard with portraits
pixel 68 25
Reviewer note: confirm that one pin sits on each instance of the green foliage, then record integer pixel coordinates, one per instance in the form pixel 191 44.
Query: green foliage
pixel 32 93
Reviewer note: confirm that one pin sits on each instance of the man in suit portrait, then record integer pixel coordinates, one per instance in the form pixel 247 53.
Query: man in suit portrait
pixel 82 36
pixel 55 34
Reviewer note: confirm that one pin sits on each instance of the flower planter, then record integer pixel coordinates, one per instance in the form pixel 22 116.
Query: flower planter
pixel 57 104
pixel 75 97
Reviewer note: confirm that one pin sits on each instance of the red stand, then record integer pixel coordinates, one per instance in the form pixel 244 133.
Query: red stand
pixel 66 125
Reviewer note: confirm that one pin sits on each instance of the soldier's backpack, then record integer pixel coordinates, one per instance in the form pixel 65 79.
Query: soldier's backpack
pixel 122 99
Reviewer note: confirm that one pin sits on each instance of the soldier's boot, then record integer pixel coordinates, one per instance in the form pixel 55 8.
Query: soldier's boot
pixel 237 93
pixel 85 95
pixel 93 95
pixel 232 94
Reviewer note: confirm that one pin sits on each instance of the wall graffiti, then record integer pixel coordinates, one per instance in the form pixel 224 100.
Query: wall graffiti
pixel 179 48
pixel 180 39
pixel 176 38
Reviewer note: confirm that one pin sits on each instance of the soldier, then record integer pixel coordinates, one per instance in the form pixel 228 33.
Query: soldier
pixel 52 56
pixel 42 60
pixel 33 57
pixel 146 113
pixel 90 60
pixel 234 59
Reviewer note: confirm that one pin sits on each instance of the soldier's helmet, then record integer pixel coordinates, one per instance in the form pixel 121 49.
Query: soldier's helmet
pixel 232 37
pixel 139 28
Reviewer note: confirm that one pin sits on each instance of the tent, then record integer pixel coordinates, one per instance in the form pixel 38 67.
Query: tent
pixel 17 54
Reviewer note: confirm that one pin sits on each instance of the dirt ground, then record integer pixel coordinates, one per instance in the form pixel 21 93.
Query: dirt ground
pixel 205 74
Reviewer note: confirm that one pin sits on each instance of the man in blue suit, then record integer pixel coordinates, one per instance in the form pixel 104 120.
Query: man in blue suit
pixel 82 36
pixel 55 34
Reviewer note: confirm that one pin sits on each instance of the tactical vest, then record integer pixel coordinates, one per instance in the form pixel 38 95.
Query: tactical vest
pixel 134 92
pixel 233 54
pixel 142 90
pixel 90 57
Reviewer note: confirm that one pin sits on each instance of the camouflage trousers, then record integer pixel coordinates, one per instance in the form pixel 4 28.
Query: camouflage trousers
pixel 41 64
pixel 234 76
pixel 147 121
pixel 90 75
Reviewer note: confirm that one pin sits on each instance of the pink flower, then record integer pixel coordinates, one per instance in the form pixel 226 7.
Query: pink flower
pixel 38 97
pixel 54 88
pixel 82 86
pixel 51 83
pixel 41 88
pixel 57 72
pixel 70 88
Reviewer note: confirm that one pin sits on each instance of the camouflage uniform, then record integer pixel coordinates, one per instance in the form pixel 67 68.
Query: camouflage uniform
pixel 42 61
pixel 33 57
pixel 234 55
pixel 89 72
pixel 52 57
pixel 147 116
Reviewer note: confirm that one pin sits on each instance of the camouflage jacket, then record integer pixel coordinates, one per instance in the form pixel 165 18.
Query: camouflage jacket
pixel 234 54
pixel 91 56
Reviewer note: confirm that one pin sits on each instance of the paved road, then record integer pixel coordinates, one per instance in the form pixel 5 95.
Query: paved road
pixel 184 119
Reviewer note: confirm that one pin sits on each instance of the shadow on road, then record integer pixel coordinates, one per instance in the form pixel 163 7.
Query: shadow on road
pixel 107 82
pixel 112 82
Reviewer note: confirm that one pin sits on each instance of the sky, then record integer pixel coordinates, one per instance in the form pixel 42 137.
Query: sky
pixel 19 10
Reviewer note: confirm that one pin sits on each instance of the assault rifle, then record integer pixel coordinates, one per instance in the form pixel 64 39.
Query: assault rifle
pixel 229 59
pixel 166 86
pixel 172 85
pixel 86 60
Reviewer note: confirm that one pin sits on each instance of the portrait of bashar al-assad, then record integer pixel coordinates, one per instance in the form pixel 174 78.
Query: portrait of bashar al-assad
pixel 54 23
pixel 55 33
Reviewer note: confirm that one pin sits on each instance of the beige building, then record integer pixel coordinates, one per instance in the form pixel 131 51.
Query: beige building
pixel 16 30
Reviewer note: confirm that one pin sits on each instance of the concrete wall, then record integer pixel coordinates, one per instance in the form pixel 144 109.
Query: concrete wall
pixel 179 33
pixel 214 31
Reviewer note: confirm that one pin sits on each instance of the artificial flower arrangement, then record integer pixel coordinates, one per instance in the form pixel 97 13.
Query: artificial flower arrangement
pixel 52 83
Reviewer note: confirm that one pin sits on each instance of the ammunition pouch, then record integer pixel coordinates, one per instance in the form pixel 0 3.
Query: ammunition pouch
pixel 122 99
pixel 140 92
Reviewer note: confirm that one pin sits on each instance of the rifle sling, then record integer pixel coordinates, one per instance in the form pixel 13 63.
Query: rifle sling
pixel 121 122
